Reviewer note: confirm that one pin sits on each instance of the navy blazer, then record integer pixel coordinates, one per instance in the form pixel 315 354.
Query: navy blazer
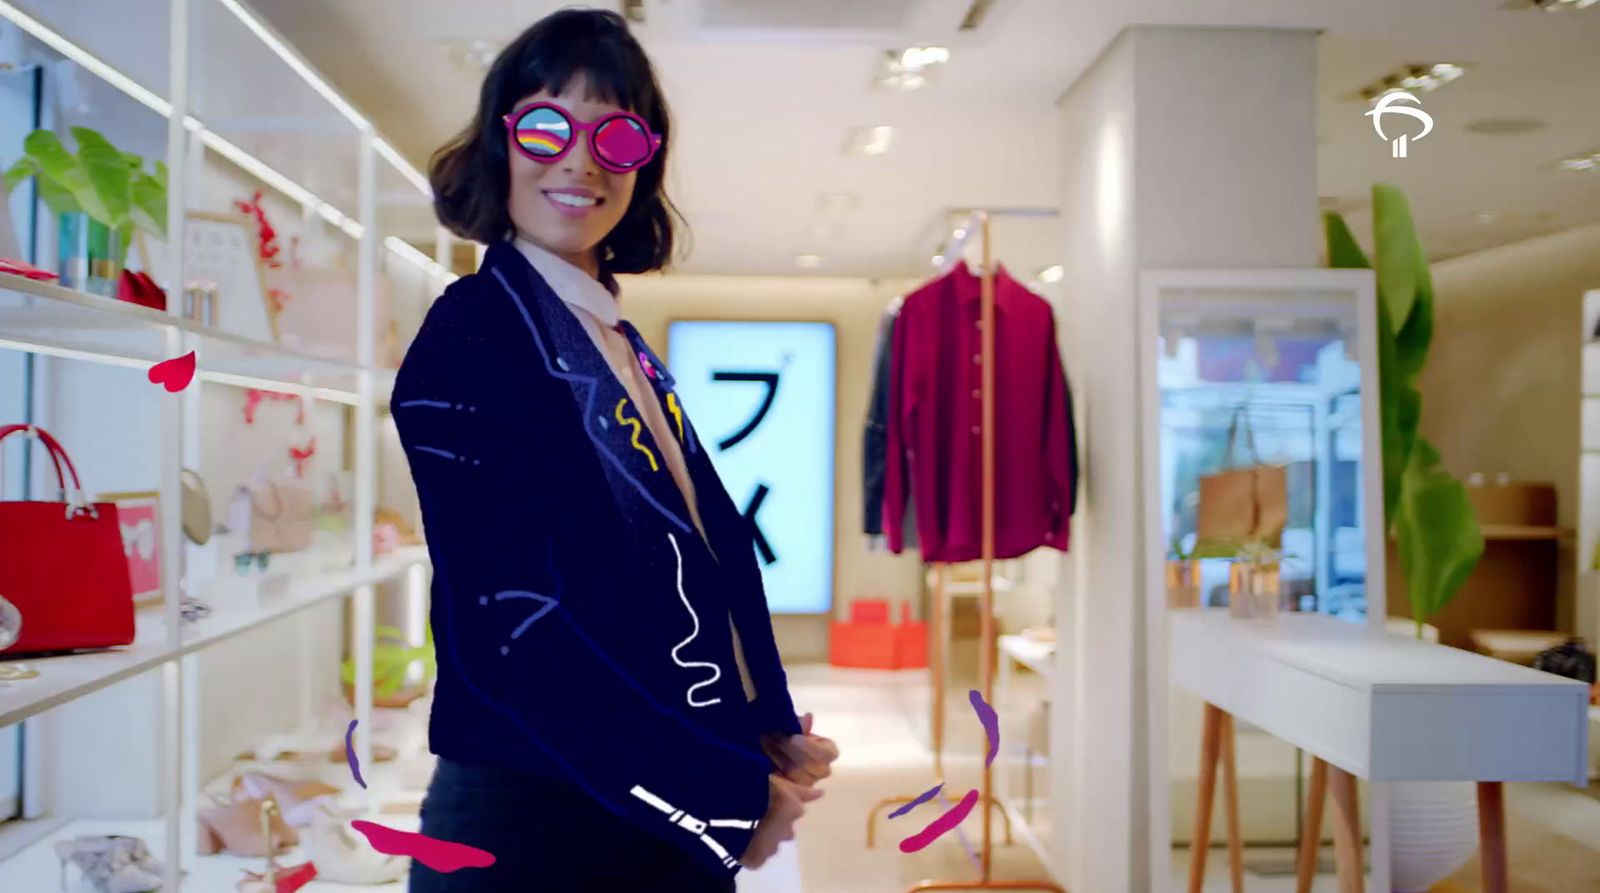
pixel 582 624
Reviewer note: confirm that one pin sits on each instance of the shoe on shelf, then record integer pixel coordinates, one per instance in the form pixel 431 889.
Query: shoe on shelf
pixel 282 880
pixel 244 828
pixel 296 799
pixel 113 864
pixel 345 858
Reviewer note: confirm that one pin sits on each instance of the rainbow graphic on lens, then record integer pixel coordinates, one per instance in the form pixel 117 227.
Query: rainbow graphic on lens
pixel 542 142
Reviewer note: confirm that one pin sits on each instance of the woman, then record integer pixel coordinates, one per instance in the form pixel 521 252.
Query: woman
pixel 611 713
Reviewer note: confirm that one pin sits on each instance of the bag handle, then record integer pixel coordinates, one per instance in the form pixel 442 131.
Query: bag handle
pixel 58 457
pixel 1229 459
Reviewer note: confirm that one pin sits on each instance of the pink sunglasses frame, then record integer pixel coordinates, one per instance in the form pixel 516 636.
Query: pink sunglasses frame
pixel 592 128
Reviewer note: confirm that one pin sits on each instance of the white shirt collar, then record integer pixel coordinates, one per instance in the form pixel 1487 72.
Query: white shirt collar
pixel 572 285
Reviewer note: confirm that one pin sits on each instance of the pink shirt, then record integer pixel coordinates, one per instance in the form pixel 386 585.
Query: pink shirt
pixel 935 416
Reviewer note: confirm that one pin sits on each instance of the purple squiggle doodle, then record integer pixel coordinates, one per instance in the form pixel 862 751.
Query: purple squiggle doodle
pixel 991 724
pixel 921 798
pixel 350 753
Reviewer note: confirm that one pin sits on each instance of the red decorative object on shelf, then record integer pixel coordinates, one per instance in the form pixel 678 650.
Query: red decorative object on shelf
pixel 254 396
pixel 869 641
pixel 301 455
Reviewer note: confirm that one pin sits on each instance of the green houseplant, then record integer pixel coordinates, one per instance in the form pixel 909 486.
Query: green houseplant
pixel 393 656
pixel 101 196
pixel 1426 509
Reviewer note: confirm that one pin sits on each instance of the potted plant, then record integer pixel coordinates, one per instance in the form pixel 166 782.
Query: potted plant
pixel 1426 510
pixel 1183 568
pixel 101 196
pixel 393 657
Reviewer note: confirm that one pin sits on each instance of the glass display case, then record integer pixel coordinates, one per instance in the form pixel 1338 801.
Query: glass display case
pixel 1263 495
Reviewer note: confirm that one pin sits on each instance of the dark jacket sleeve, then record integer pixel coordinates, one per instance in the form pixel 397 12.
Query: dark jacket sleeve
pixel 1060 441
pixel 493 500
pixel 875 439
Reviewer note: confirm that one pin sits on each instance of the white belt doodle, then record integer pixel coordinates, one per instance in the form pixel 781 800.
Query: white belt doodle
pixel 694 825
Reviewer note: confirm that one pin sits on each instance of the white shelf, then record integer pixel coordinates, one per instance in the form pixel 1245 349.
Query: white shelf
pixel 69 677
pixel 47 318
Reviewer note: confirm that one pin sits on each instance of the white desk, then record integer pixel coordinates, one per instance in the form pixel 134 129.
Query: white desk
pixel 1382 707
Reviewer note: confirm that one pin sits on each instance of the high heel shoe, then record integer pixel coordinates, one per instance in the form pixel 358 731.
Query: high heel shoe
pixel 342 858
pixel 297 799
pixel 236 827
pixel 112 864
pixel 276 879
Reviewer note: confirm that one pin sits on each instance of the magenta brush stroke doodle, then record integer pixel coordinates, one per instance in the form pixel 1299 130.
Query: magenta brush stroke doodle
pixel 939 826
pixel 350 754
pixel 440 855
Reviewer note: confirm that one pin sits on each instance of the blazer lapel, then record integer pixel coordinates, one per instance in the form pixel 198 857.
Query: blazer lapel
pixel 632 460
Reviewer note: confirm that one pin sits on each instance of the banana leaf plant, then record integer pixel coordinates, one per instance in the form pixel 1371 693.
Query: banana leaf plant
pixel 109 186
pixel 1425 508
pixel 393 656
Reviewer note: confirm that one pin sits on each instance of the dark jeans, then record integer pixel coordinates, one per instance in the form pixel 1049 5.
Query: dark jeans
pixel 547 836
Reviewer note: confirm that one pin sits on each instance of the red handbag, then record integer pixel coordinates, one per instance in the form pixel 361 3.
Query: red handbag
pixel 62 564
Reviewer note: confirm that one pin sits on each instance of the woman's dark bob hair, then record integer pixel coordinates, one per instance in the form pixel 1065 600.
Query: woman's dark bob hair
pixel 470 174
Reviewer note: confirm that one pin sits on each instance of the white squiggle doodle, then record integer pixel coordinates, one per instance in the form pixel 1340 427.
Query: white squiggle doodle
pixel 716 671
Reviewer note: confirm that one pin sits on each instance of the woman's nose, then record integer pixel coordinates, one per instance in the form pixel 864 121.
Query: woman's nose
pixel 578 160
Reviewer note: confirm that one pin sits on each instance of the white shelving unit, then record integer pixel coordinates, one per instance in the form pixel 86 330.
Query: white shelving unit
pixel 50 320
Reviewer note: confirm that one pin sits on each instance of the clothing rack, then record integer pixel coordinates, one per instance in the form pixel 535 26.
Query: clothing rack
pixel 979 227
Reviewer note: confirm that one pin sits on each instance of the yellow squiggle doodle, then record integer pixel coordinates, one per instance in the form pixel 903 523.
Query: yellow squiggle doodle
pixel 638 428
pixel 677 414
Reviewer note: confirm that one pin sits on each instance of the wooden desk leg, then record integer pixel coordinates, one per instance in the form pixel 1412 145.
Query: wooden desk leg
pixel 1347 831
pixel 1311 834
pixel 1492 835
pixel 1210 745
pixel 1230 800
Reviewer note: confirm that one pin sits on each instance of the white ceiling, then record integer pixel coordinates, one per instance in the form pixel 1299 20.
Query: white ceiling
pixel 762 112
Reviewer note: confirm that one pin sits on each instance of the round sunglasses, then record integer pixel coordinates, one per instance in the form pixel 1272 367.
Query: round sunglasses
pixel 619 142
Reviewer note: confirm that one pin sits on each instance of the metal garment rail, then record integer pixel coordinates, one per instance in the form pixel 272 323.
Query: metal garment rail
pixel 985 880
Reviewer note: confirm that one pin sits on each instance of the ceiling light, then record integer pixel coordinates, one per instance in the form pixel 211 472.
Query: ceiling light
pixel 870 140
pixel 470 55
pixel 838 202
pixel 1562 5
pixel 1486 217
pixel 1583 161
pixel 938 260
pixel 959 234
pixel 1413 79
pixel 911 68
pixel 808 261
pixel 1052 274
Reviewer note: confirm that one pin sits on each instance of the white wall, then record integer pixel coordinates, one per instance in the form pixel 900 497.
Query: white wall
pixel 1505 363
pixel 1177 153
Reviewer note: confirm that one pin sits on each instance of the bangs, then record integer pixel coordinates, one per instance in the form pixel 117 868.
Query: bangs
pixel 557 58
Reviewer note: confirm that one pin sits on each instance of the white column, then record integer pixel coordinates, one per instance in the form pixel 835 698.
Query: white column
pixel 366 445
pixel 175 736
pixel 1183 147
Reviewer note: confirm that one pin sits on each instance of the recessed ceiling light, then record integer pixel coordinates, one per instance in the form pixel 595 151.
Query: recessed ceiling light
pixel 1562 5
pixel 1486 216
pixel 1502 126
pixel 870 140
pixel 959 234
pixel 1423 78
pixel 938 260
pixel 808 261
pixel 1052 274
pixel 1583 161
pixel 911 68
pixel 838 202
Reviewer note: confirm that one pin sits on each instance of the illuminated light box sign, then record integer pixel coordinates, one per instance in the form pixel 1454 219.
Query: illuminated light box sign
pixel 761 395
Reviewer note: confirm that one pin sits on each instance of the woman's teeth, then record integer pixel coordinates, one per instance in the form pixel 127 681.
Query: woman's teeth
pixel 574 201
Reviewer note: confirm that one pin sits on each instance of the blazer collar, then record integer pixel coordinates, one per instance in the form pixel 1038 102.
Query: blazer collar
pixel 571 284
pixel 633 461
